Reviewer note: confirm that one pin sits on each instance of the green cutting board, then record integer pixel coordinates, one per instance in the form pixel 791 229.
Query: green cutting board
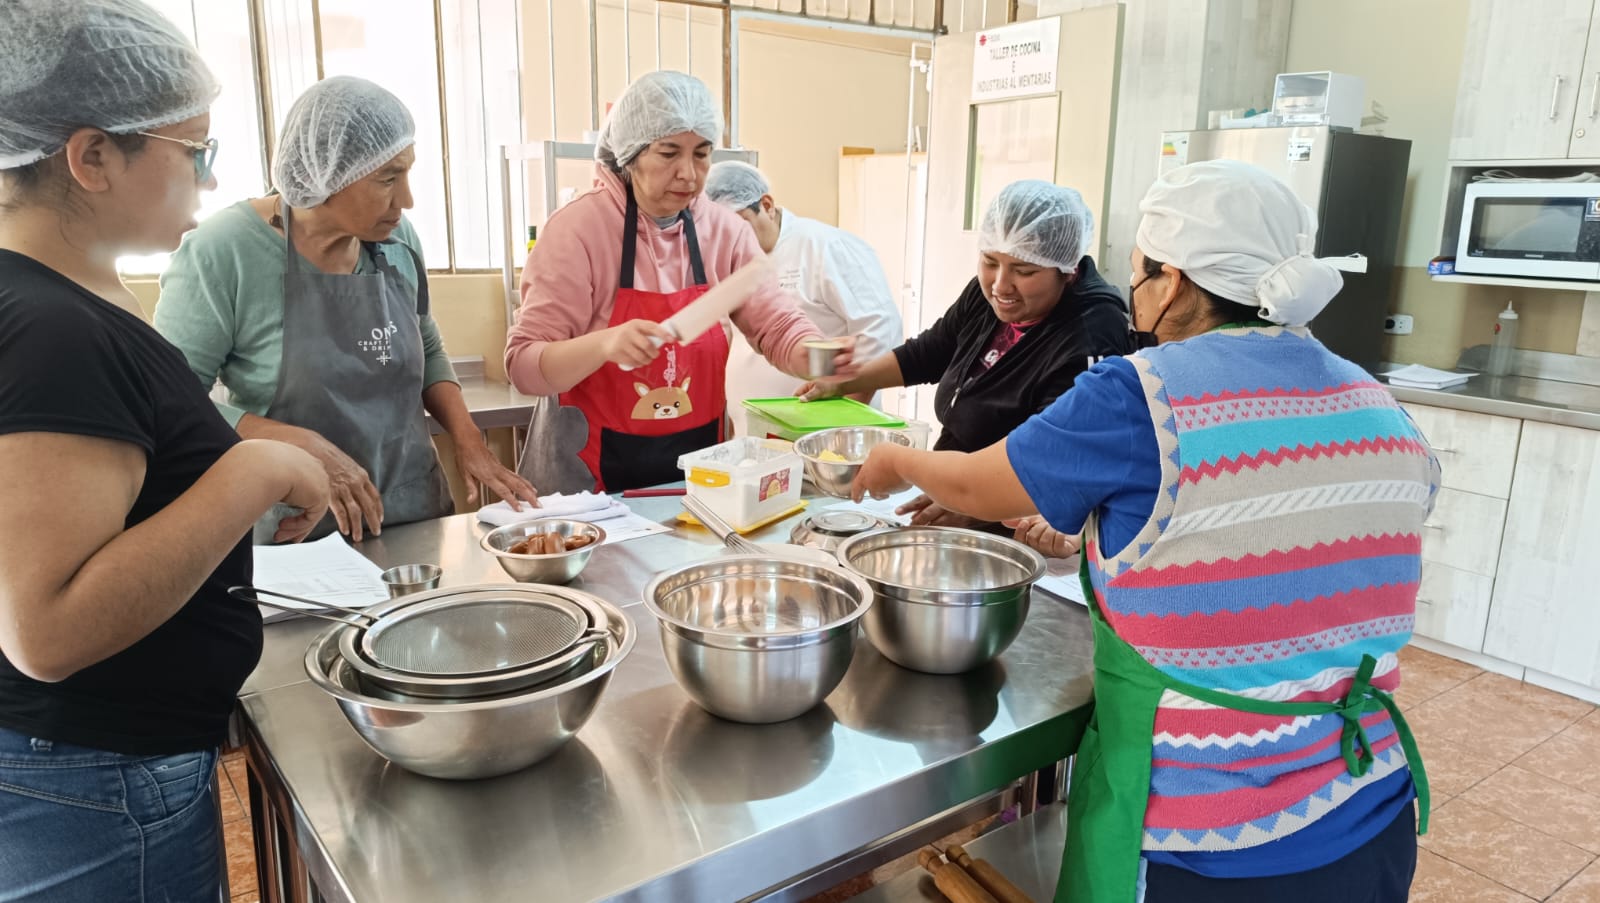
pixel 810 416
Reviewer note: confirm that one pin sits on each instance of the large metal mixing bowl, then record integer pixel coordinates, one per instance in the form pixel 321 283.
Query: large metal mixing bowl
pixel 757 638
pixel 851 443
pixel 947 600
pixel 556 567
pixel 480 738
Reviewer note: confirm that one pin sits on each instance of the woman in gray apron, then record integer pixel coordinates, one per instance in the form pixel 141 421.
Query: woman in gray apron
pixel 311 306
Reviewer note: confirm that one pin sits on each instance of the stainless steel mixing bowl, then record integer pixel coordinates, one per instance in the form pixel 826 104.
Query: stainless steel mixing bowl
pixel 757 638
pixel 853 443
pixel 557 567
pixel 946 600
pixel 480 738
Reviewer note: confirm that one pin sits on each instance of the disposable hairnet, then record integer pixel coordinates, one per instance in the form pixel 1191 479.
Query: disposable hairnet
pixel 656 105
pixel 1239 233
pixel 736 185
pixel 1044 224
pixel 337 133
pixel 116 65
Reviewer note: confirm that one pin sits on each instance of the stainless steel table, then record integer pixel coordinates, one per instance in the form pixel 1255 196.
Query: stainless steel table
pixel 655 799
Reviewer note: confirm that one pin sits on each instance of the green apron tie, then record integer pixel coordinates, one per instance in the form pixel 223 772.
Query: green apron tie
pixel 1110 786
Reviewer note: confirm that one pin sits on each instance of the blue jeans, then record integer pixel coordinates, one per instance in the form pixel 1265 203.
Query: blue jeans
pixel 79 824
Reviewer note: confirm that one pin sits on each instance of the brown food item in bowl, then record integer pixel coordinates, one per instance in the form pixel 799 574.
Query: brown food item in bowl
pixel 549 543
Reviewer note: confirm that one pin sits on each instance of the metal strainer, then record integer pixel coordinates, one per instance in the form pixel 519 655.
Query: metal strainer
pixel 460 643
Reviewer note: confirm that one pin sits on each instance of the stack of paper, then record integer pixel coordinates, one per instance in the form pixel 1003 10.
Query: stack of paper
pixel 1417 376
pixel 327 570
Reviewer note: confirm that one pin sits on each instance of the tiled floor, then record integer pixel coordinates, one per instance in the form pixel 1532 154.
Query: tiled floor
pixel 1516 793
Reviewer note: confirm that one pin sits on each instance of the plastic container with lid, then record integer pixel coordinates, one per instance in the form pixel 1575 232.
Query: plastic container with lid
pixel 790 418
pixel 746 481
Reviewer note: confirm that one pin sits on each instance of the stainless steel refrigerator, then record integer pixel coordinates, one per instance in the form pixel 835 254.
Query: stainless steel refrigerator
pixel 1354 185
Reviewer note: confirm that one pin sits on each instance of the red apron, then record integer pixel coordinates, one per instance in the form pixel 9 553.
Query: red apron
pixel 641 420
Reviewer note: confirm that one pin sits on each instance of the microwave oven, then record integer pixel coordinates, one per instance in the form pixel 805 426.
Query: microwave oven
pixel 1546 230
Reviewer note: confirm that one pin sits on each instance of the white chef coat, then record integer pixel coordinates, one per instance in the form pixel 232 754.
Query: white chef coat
pixel 842 290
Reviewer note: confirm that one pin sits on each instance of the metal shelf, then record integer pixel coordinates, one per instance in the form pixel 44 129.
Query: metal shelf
pixel 1561 285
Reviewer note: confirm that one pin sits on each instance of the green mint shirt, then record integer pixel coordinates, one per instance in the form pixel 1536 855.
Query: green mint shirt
pixel 222 305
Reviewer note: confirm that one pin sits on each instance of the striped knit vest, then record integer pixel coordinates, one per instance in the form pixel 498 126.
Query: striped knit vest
pixel 1285 545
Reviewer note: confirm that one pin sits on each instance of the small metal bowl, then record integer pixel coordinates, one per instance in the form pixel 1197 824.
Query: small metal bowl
pixel 557 567
pixel 411 578
pixel 826 529
pixel 757 638
pixel 852 442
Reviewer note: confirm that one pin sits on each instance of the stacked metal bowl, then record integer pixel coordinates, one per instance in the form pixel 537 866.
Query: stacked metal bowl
pixel 945 600
pixel 476 681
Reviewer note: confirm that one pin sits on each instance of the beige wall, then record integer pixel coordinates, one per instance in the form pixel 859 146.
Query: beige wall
pixel 804 91
pixel 1410 55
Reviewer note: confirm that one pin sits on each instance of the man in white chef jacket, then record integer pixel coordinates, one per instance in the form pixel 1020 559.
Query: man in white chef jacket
pixel 836 275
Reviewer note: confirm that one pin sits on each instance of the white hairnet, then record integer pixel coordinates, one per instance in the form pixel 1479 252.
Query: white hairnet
pixel 736 185
pixel 656 105
pixel 116 65
pixel 337 133
pixel 1241 234
pixel 1042 223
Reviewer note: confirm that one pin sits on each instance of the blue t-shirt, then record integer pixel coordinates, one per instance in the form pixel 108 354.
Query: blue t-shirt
pixel 1094 450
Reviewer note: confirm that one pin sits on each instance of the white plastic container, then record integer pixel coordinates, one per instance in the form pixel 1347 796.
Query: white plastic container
pixel 745 481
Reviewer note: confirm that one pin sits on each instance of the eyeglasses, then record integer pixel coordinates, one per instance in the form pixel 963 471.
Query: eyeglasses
pixel 205 153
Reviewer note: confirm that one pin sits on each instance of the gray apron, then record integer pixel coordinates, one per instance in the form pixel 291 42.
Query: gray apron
pixel 352 372
pixel 556 434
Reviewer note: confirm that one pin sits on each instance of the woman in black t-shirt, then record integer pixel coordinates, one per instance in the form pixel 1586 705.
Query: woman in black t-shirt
pixel 1036 315
pixel 125 499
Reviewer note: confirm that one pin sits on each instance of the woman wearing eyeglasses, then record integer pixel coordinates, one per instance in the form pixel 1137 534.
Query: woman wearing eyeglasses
pixel 311 307
pixel 126 501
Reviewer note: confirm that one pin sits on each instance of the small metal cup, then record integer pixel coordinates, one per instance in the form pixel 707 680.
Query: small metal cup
pixel 820 357
pixel 412 578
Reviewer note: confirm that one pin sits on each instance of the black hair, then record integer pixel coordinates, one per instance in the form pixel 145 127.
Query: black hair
pixel 1221 308
pixel 46 181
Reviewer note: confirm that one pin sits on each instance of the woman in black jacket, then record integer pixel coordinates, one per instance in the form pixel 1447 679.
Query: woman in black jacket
pixel 1036 315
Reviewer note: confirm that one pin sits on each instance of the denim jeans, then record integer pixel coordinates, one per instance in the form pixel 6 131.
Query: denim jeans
pixel 79 824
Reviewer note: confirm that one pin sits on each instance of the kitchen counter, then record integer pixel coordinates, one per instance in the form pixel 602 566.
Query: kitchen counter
pixel 493 405
pixel 655 799
pixel 1525 398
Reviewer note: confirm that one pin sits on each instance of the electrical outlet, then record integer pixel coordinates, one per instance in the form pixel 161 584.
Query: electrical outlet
pixel 1399 324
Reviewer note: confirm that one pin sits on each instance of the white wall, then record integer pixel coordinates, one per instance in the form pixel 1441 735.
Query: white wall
pixel 1410 56
pixel 804 91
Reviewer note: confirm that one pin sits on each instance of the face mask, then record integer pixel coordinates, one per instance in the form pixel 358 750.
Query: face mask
pixel 1140 338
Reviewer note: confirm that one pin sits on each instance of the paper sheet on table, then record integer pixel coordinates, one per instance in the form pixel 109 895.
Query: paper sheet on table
pixel 883 508
pixel 327 569
pixel 630 526
pixel 1061 579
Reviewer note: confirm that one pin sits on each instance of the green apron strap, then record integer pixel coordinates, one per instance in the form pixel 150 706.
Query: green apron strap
pixel 1110 785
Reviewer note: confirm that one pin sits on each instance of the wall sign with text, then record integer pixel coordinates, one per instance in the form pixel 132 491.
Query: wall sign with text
pixel 1016 60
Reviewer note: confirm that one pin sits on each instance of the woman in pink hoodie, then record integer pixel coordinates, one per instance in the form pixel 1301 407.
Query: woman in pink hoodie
pixel 614 263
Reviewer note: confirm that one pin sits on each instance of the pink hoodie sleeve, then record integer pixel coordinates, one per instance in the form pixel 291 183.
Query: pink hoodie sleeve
pixel 772 320
pixel 558 303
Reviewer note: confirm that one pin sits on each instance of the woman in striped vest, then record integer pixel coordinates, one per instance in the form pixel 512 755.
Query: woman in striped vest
pixel 1252 508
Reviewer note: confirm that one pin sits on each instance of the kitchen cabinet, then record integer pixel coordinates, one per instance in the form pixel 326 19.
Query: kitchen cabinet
pixel 1464 532
pixel 1476 451
pixel 1453 606
pixel 1526 88
pixel 1545 613
pixel 1586 116
pixel 1461 538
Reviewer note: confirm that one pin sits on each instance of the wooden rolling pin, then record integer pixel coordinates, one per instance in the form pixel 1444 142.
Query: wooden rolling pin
pixel 955 884
pixel 987 875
